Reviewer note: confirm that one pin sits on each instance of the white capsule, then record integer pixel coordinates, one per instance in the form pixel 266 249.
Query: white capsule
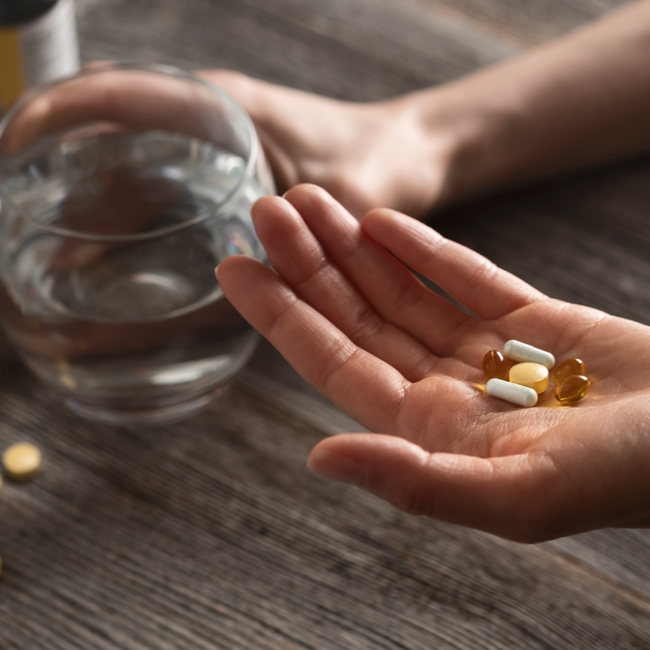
pixel 513 393
pixel 523 352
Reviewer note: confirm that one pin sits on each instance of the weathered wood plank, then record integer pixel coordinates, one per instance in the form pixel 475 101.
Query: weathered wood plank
pixel 366 50
pixel 212 534
pixel 528 22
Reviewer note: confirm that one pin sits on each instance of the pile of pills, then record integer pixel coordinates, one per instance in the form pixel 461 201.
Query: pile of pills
pixel 524 381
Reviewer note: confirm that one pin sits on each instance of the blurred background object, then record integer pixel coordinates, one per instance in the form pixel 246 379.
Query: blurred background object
pixel 38 43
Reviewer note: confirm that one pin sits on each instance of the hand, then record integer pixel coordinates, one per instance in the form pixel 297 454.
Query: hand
pixel 578 100
pixel 365 155
pixel 405 362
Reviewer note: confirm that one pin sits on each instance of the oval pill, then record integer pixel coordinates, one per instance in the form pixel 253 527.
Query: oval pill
pixel 533 375
pixel 573 389
pixel 495 365
pixel 568 368
pixel 519 351
pixel 21 461
pixel 513 393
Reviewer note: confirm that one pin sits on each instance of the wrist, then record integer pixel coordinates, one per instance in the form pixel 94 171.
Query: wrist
pixel 427 145
pixel 470 140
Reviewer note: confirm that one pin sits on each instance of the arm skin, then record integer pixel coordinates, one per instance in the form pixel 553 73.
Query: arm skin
pixel 578 100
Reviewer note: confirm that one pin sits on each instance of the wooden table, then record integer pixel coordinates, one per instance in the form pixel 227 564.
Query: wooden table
pixel 212 534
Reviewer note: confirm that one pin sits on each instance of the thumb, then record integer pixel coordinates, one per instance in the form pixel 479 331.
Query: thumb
pixel 516 497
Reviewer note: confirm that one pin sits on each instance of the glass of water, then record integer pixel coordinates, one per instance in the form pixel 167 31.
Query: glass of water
pixel 121 190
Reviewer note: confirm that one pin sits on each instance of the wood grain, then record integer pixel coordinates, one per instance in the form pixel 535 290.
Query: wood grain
pixel 364 50
pixel 211 533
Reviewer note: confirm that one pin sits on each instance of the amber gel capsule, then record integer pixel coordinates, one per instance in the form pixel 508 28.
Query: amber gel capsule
pixel 568 368
pixel 495 365
pixel 572 390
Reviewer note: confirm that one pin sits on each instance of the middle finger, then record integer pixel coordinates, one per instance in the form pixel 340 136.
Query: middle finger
pixel 389 287
pixel 300 261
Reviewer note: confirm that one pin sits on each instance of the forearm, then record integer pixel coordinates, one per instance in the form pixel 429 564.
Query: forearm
pixel 578 100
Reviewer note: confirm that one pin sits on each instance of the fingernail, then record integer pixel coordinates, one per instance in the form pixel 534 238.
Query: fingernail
pixel 335 466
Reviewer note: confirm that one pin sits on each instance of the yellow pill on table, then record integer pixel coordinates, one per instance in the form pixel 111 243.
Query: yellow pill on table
pixel 572 390
pixel 531 375
pixel 495 365
pixel 21 461
pixel 568 368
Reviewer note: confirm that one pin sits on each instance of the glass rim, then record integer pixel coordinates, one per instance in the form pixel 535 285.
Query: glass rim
pixel 154 68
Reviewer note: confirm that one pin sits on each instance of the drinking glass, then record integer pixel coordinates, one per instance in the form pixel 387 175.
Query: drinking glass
pixel 121 190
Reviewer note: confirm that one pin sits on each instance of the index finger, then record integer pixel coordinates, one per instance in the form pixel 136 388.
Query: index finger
pixel 368 389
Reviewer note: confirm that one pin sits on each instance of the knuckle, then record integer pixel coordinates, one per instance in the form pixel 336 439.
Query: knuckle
pixel 327 372
pixel 482 275
pixel 367 326
pixel 357 196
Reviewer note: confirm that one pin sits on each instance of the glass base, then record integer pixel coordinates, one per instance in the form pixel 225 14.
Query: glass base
pixel 144 417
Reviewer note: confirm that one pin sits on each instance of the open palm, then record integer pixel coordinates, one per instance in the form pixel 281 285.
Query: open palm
pixel 355 322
